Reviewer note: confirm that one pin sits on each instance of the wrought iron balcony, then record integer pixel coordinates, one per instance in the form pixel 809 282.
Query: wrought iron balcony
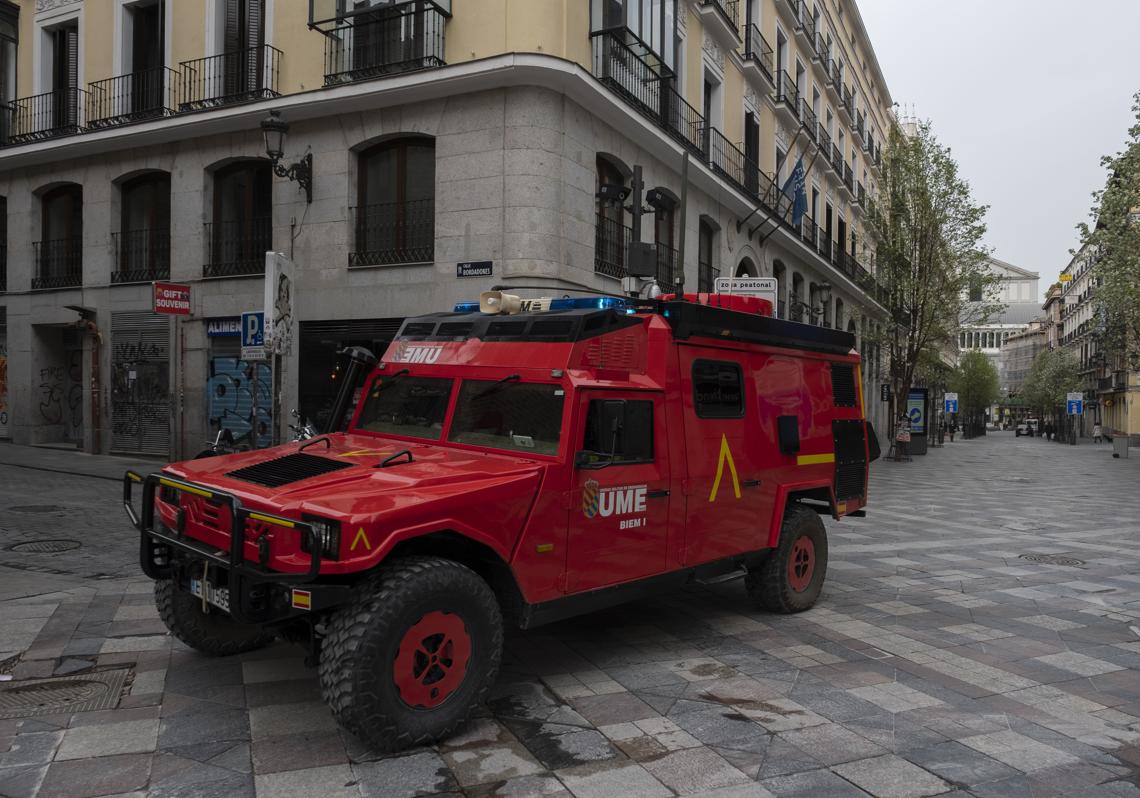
pixel 149 94
pixel 238 247
pixel 141 256
pixel 786 92
pixel 805 25
pixel 611 238
pixel 631 70
pixel 758 56
pixel 721 19
pixel 809 119
pixel 384 42
pixel 707 275
pixel 727 160
pixel 860 194
pixel 821 53
pixel 393 233
pixel 837 160
pixel 824 143
pixel 235 77
pixel 849 179
pixel 666 266
pixel 59 263
pixel 847 105
pixel 48 115
pixel 835 85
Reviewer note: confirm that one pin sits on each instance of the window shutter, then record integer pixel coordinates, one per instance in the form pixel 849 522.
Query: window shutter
pixel 255 38
pixel 233 57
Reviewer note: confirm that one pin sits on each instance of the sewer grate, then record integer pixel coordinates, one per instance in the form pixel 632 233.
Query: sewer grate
pixel 35 508
pixel 66 694
pixel 46 546
pixel 1054 559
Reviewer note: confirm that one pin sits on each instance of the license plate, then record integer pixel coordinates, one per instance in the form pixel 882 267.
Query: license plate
pixel 218 596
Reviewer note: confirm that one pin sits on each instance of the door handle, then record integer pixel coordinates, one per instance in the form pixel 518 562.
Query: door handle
pixel 750 483
pixel 657 494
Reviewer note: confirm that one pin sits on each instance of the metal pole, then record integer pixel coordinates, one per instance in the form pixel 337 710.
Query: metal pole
pixel 635 207
pixel 679 277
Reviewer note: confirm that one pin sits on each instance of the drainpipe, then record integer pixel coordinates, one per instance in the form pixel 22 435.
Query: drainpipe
pixel 91 328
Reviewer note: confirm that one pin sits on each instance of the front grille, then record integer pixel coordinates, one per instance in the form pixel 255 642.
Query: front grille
pixel 290 468
pixel 850 458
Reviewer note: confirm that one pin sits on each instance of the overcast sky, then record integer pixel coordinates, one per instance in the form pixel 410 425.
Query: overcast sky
pixel 1029 94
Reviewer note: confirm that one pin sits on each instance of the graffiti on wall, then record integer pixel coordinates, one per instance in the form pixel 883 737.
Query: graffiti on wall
pixel 240 400
pixel 51 394
pixel 3 390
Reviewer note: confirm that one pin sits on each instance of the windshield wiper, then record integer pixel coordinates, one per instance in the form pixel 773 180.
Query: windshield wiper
pixel 386 381
pixel 496 386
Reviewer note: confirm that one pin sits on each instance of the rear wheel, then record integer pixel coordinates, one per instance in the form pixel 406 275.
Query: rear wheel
pixel 211 632
pixel 791 578
pixel 417 649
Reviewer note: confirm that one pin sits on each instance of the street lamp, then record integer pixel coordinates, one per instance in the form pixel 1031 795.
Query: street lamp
pixel 274 129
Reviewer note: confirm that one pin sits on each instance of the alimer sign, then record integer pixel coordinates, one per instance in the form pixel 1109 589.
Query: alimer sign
pixel 172 299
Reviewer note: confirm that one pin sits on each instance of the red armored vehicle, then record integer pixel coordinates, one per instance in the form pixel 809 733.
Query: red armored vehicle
pixel 520 466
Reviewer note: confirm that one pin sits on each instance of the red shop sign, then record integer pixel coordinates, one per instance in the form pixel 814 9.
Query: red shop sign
pixel 172 298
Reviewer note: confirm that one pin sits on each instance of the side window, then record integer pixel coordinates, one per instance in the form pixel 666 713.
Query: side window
pixel 718 389
pixel 621 428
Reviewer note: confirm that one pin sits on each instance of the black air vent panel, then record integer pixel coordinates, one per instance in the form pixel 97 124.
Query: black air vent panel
pixel 843 385
pixel 290 468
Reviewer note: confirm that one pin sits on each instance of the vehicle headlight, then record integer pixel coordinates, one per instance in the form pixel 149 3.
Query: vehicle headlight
pixel 327 532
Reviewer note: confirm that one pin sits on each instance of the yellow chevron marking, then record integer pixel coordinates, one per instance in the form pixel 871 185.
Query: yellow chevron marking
pixel 725 456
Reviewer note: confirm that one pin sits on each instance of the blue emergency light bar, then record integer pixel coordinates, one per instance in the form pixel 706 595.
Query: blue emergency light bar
pixel 567 303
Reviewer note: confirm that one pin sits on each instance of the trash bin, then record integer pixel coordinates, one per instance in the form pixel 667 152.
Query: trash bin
pixel 1120 446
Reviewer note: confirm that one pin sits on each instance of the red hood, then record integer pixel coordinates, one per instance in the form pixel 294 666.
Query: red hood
pixel 360 487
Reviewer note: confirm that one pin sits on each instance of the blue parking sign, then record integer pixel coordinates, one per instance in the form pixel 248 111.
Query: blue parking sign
pixel 951 405
pixel 253 328
pixel 1075 407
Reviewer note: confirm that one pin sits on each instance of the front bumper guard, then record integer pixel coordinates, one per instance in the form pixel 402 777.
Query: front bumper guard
pixel 243 576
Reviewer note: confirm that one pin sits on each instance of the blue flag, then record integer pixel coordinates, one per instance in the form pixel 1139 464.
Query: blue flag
pixel 795 189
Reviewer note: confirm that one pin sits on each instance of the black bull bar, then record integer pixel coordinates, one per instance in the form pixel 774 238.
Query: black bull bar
pixel 242 575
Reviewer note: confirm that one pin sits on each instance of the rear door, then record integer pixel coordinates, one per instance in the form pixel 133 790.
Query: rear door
pixel 620 497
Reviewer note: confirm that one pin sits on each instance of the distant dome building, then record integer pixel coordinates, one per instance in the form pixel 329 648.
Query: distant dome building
pixel 1018 292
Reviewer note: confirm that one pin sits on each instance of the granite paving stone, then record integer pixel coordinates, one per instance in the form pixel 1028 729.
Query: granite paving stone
pixel 890 776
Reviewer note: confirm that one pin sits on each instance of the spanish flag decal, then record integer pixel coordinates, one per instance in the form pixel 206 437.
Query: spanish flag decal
pixel 302 599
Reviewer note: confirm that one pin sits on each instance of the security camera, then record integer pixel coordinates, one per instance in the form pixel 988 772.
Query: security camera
pixel 613 191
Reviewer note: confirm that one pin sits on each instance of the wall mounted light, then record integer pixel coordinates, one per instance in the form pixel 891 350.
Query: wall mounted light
pixel 274 129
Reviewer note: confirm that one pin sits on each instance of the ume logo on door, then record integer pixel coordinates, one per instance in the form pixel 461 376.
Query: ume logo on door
pixel 605 502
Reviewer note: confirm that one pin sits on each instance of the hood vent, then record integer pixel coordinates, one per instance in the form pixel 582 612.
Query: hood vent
pixel 290 468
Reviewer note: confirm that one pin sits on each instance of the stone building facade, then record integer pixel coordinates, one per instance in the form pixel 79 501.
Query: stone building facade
pixel 440 133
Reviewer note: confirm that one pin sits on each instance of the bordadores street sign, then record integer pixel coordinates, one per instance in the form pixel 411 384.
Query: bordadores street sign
pixel 172 299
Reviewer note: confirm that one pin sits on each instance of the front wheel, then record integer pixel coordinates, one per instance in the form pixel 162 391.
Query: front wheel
pixel 791 578
pixel 210 631
pixel 416 650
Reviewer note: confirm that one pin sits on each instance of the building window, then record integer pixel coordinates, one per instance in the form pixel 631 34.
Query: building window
pixel 9 38
pixel 654 22
pixel 975 291
pixel 142 245
pixel 146 88
pixel 706 248
pixel 663 223
pixel 383 40
pixel 611 236
pixel 394 220
pixel 620 431
pixel 718 389
pixel 242 230
pixel 59 253
pixel 55 112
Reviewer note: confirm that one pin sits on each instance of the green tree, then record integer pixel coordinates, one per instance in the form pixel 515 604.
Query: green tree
pixel 1115 239
pixel 1054 374
pixel 977 384
pixel 929 232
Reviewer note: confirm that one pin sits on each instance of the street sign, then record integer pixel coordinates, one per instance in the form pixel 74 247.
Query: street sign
pixel 916 410
pixel 951 402
pixel 885 392
pixel 253 335
pixel 763 287
pixel 172 299
pixel 1075 404
pixel 475 268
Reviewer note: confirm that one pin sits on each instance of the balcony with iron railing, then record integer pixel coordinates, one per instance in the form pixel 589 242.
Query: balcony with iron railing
pixel 58 263
pixel 728 161
pixel 809 120
pixel 804 26
pixel 238 247
pixel 722 20
pixel 624 64
pixel 837 161
pixel 821 54
pixel 707 275
pixel 849 179
pixel 667 261
pixel 393 233
pixel 824 143
pixel 787 97
pixel 859 128
pixel 611 238
pixel 860 194
pixel 385 42
pixel 46 116
pixel 240 76
pixel 141 256
pixel 758 59
pixel 835 83
pixel 137 97
pixel 847 105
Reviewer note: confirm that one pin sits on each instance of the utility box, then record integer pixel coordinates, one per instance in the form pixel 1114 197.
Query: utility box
pixel 1120 446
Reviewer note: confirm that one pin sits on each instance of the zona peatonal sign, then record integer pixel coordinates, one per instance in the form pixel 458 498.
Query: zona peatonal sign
pixel 172 299
pixel 475 268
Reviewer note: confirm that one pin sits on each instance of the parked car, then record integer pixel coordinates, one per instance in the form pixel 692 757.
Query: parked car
pixel 1029 426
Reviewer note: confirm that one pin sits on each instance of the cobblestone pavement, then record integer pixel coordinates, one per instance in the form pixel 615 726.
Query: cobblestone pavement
pixel 975 637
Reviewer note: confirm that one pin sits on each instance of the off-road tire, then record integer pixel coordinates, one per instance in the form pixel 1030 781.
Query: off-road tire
pixel 215 634
pixel 770 585
pixel 359 652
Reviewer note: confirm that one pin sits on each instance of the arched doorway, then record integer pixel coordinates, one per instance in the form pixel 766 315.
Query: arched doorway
pixel 746 268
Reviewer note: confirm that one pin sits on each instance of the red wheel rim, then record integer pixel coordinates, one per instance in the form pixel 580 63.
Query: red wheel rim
pixel 432 660
pixel 801 564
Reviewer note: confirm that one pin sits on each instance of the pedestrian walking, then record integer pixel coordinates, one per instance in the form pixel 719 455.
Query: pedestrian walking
pixel 902 438
pixel 1097 438
pixel 953 429
pixel 1048 430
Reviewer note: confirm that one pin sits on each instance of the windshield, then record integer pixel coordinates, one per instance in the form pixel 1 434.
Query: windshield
pixel 403 405
pixel 500 414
